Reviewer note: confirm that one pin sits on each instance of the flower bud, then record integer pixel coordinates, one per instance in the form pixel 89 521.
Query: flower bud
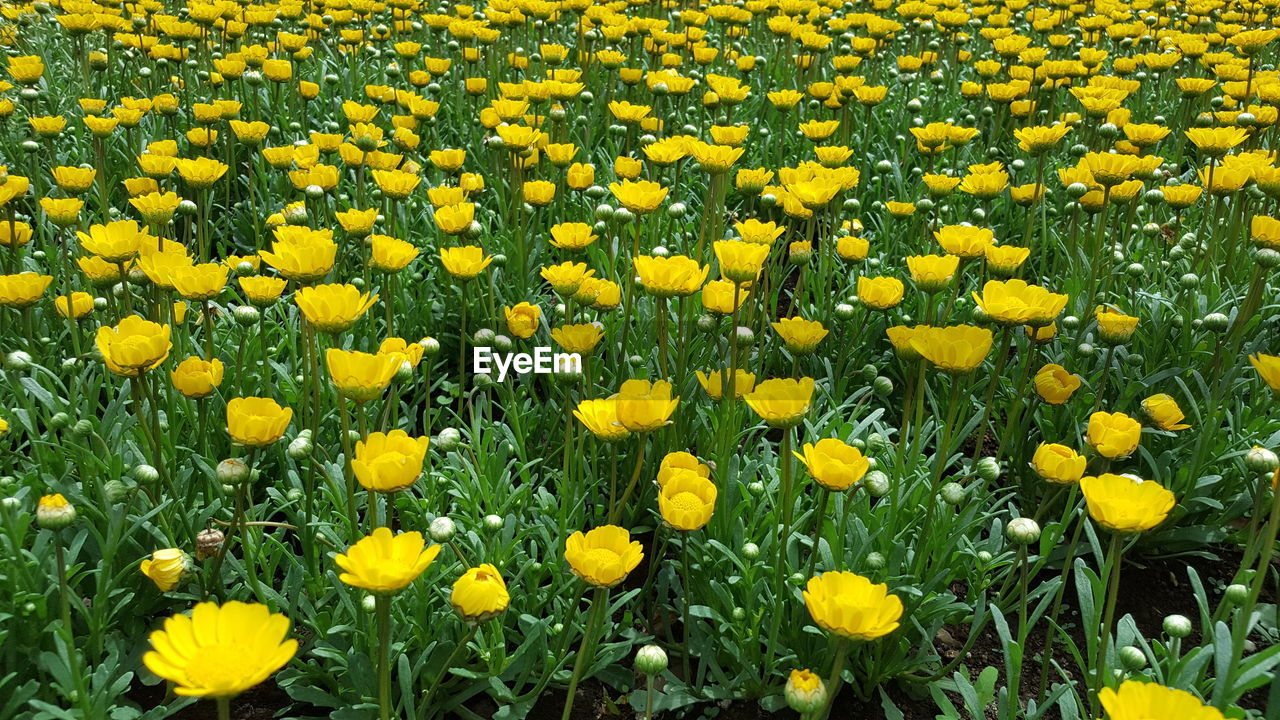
pixel 875 560
pixel 1177 626
pixel 1022 531
pixel 750 551
pixel 493 523
pixel 805 692
pixel 115 491
pixel 231 471
pixel 1216 322
pixel 54 512
pixel 441 530
pixel 988 468
pixel 145 474
pixel 953 493
pixel 1261 460
pixel 651 660
pixel 877 483
pixel 447 439
pixel 369 604
pixel 1132 659
pixel 1236 593
pixel 300 448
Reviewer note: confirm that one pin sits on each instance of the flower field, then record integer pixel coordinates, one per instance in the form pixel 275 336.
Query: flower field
pixel 639 358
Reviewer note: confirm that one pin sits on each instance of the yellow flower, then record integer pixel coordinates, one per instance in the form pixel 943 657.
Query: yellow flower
pixel 165 568
pixel 384 564
pixel 932 273
pixel 134 346
pixel 464 263
pixel 834 464
pixel 333 308
pixel 199 282
pixel 800 336
pixel 73 180
pixel 538 192
pixel 1040 139
pixel 964 241
pixel 449 161
pixel 600 418
pixel 1125 504
pixel 23 289
pixel 852 606
pixel 1164 412
pixel 1113 435
pixel 301 254
pixel 1055 385
pixel 1216 141
pixel 1268 368
pixel 390 254
pixel 18 234
pixel 389 462
pixel 196 377
pixel 1113 326
pixel 955 349
pixel 674 276
pixel 522 320
pixel 603 556
pixel 581 338
pixel 572 235
pixel 480 594
pixel 643 406
pixel 566 277
pixel 156 208
pixel 1004 260
pixel 220 651
pixel 361 376
pixel 741 261
pixel 687 501
pixel 262 290
pixel 713 382
pixel 723 296
pixel 781 402
pixel 852 249
pixel 1058 463
pixel 754 231
pixel 805 692
pixel 256 421
pixel 75 307
pixel 880 293
pixel 115 242
pixel 1264 230
pixel 1139 700
pixel 639 196
pixel 200 173
pixel 1017 302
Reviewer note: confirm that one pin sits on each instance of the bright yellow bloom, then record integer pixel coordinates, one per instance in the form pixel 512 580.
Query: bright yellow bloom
pixel 603 556
pixel 480 594
pixel 1164 412
pixel 781 402
pixel 600 417
pixel 165 568
pixel 581 338
pixel 712 382
pixel 134 346
pixel 687 501
pixel 23 289
pixel 1113 435
pixel 196 377
pixel 739 260
pixel 1268 368
pixel 115 242
pixel 301 254
pixel 1139 700
pixel 220 651
pixel 390 254
pixel 572 235
pixel 955 349
pixel 522 320
pixel 333 308
pixel 1113 326
pixel 389 462
pixel 851 606
pixel 964 241
pixel 385 564
pixel 1058 464
pixel 361 376
pixel 643 406
pixel 800 336
pixel 639 196
pixel 673 276
pixel 834 464
pixel 1017 302
pixel 464 263
pixel 932 273
pixel 203 281
pixel 1055 385
pixel 880 293
pixel 1125 504
pixel 256 421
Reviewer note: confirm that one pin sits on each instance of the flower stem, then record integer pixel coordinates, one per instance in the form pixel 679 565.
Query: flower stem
pixel 599 600
pixel 382 607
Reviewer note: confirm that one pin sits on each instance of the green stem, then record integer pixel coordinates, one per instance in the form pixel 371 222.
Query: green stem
pixel 599 600
pixel 382 606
